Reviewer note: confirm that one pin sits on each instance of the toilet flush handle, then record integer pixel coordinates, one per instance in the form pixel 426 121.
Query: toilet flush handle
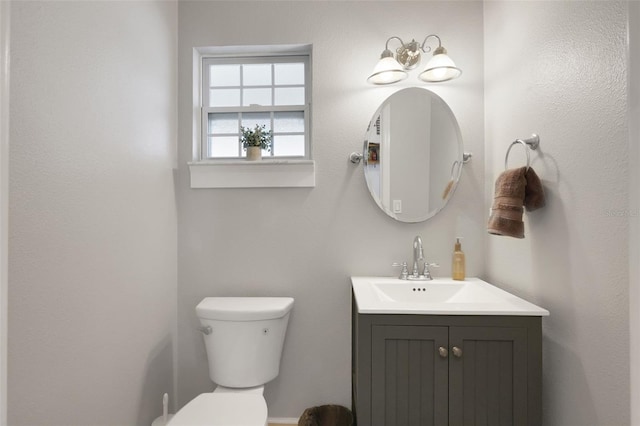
pixel 206 329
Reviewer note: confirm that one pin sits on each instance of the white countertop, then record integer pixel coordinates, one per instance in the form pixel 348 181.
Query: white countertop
pixel 441 296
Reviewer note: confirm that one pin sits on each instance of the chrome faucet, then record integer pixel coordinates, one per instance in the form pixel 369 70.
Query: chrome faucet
pixel 418 255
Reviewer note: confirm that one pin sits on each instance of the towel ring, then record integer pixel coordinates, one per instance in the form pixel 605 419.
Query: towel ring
pixel 529 143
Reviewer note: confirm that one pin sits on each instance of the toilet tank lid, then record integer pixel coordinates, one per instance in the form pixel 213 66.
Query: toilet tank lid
pixel 244 308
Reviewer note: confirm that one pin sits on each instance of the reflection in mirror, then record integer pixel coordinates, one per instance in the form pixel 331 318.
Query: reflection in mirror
pixel 412 155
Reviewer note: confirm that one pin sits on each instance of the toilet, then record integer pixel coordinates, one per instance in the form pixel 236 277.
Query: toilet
pixel 243 337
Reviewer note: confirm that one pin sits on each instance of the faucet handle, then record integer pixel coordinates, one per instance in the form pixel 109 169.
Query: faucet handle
pixel 426 272
pixel 404 273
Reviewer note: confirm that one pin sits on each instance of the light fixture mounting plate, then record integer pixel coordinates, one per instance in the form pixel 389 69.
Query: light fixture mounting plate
pixel 408 55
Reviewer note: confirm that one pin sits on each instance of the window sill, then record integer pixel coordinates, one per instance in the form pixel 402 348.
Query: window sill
pixel 253 174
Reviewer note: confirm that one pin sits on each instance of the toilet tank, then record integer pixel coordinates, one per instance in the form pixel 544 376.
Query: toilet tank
pixel 245 339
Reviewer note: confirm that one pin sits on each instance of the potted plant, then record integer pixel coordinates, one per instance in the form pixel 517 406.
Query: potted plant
pixel 255 140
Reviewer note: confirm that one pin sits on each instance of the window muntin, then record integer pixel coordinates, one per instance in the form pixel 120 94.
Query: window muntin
pixel 273 91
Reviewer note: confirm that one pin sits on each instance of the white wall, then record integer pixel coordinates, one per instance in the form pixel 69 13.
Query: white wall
pixel 409 158
pixel 4 197
pixel 559 69
pixel 92 271
pixel 92 249
pixel 634 207
pixel 307 242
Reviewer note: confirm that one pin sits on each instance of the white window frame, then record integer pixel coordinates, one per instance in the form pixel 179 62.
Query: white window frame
pixel 236 172
pixel 206 110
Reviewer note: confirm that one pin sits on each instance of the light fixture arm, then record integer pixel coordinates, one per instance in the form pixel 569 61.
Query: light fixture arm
pixel 428 48
pixel 386 46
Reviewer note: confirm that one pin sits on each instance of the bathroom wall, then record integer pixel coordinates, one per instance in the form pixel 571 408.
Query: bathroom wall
pixel 306 243
pixel 4 197
pixel 634 206
pixel 559 69
pixel 92 244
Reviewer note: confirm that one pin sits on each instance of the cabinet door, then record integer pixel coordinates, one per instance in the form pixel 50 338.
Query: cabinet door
pixel 488 376
pixel 409 376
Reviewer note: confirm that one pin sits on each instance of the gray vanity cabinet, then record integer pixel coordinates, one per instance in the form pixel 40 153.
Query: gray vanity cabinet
pixel 446 370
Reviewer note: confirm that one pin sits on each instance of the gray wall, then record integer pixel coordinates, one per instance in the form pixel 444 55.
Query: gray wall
pixel 560 69
pixel 634 207
pixel 92 249
pixel 306 243
pixel 4 200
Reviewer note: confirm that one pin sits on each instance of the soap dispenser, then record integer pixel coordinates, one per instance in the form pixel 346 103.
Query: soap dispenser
pixel 457 264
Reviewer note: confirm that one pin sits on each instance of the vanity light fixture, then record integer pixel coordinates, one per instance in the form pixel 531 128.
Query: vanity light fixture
pixel 390 69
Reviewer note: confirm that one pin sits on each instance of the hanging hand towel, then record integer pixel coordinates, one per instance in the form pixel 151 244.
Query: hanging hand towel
pixel 533 192
pixel 514 189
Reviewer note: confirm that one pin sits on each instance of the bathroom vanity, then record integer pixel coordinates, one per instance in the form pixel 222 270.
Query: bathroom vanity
pixel 444 353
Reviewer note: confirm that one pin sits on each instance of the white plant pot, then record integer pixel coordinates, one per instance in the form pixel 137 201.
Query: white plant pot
pixel 254 153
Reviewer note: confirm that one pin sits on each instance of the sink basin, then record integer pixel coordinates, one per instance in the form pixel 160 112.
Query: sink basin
pixel 441 296
pixel 433 292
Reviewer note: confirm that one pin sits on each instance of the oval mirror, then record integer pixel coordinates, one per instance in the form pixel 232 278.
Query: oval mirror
pixel 412 155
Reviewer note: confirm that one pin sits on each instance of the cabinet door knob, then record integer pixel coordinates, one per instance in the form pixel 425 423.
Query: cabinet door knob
pixel 457 352
pixel 443 352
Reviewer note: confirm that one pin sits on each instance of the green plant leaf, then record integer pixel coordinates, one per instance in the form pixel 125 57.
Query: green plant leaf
pixel 258 136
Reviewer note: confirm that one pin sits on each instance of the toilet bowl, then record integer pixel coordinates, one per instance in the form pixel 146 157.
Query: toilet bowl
pixel 223 409
pixel 244 337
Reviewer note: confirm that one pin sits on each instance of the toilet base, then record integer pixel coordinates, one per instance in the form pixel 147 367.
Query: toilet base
pixel 224 407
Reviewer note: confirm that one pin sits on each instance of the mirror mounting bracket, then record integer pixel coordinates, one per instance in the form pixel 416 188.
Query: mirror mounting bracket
pixel 356 157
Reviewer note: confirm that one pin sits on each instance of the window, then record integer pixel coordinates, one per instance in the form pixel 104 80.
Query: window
pixel 246 91
pixel 245 86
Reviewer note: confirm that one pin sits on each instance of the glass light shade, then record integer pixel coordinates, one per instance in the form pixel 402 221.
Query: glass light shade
pixel 440 68
pixel 387 71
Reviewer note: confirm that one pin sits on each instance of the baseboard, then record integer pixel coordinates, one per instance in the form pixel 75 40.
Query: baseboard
pixel 282 421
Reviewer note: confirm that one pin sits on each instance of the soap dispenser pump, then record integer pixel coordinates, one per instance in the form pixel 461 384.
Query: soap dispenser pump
pixel 458 264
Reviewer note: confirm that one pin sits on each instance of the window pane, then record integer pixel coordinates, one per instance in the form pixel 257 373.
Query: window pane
pixel 256 75
pixel 223 146
pixel 223 123
pixel 289 96
pixel 288 122
pixel 256 97
pixel 256 118
pixel 289 145
pixel 289 73
pixel 224 75
pixel 224 97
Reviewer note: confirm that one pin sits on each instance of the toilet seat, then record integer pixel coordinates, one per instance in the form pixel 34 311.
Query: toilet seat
pixel 223 409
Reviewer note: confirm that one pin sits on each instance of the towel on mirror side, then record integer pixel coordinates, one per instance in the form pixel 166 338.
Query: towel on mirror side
pixel 515 190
